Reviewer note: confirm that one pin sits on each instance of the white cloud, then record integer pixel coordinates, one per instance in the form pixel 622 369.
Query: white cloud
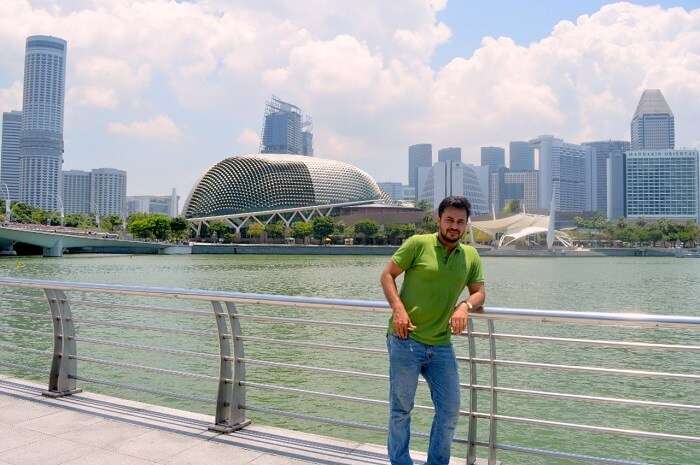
pixel 11 97
pixel 250 139
pixel 160 127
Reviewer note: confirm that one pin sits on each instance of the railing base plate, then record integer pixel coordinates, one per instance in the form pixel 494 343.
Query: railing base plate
pixel 229 428
pixel 57 394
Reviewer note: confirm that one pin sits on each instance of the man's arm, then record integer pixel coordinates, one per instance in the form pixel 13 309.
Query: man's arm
pixel 388 280
pixel 477 297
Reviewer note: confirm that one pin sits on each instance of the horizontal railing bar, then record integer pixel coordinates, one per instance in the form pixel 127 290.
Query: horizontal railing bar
pixel 141 389
pixel 147 348
pixel 563 455
pixel 593 342
pixel 24 367
pixel 333 421
pixel 146 368
pixel 22 298
pixel 25 349
pixel 614 400
pixel 311 344
pixel 23 313
pixel 143 327
pixel 28 331
pixel 98 304
pixel 495 313
pixel 591 428
pixel 253 361
pixel 310 322
pixel 616 371
pixel 363 400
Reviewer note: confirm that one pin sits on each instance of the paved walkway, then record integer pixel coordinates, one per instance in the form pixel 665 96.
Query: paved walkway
pixel 92 429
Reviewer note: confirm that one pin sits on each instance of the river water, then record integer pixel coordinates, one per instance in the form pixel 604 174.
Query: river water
pixel 624 284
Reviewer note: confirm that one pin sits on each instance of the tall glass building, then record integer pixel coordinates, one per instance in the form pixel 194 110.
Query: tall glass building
pixel 419 156
pixel 522 156
pixel 662 184
pixel 653 125
pixel 447 178
pixel 603 150
pixel 41 139
pixel 108 191
pixel 10 155
pixel 493 157
pixel 450 154
pixel 286 130
pixel 76 191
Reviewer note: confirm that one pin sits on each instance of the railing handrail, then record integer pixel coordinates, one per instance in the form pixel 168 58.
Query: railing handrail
pixel 492 313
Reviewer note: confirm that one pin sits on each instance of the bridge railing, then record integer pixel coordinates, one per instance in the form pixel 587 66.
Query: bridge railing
pixel 230 405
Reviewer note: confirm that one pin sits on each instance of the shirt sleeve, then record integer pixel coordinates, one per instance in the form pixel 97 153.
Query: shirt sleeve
pixel 405 256
pixel 476 270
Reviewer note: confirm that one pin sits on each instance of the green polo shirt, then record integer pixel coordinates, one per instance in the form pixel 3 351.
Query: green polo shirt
pixel 433 281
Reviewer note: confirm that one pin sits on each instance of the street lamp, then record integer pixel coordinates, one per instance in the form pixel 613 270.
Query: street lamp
pixel 97 214
pixel 8 210
pixel 60 208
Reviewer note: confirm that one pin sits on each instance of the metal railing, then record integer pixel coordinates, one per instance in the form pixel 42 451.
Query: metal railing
pixel 231 405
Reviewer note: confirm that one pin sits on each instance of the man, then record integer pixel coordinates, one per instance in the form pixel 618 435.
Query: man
pixel 437 268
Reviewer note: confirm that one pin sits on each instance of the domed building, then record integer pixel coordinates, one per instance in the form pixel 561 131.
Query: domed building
pixel 266 187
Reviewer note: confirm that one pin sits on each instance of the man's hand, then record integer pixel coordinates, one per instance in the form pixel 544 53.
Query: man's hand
pixel 458 322
pixel 402 323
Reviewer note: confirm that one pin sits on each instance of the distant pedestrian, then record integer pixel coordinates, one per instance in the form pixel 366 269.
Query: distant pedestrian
pixel 425 313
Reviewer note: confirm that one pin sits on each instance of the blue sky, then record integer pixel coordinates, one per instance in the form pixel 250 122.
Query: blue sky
pixel 164 90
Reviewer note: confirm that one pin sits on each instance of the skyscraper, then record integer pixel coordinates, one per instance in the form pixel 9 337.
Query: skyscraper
pixel 452 178
pixel 10 155
pixel 603 150
pixel 450 154
pixel 493 157
pixel 563 174
pixel 653 125
pixel 523 186
pixel 419 156
pixel 108 191
pixel 662 184
pixel 76 191
pixel 392 189
pixel 41 139
pixel 522 156
pixel 616 186
pixel 286 130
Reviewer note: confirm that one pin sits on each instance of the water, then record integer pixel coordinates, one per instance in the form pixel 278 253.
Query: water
pixel 650 285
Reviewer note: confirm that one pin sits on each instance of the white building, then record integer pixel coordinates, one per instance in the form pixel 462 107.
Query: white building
pixel 662 184
pixel 41 139
pixel 653 125
pixel 76 192
pixel 565 173
pixel 108 191
pixel 163 204
pixel 452 178
pixel 392 189
pixel 10 154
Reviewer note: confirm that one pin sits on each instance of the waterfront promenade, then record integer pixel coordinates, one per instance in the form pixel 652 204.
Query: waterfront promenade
pixel 92 429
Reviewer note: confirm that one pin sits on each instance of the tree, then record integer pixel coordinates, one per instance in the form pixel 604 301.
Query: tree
pixel 21 213
pixel 366 229
pixel 256 230
pixel 275 230
pixel 111 223
pixel 301 229
pixel 154 226
pixel 322 227
pixel 511 208
pixel 218 228
pixel 178 227
pixel 425 206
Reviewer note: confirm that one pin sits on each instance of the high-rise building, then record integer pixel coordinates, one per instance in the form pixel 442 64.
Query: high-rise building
pixel 392 189
pixel 41 140
pixel 653 125
pixel 286 129
pixel 76 191
pixel 108 191
pixel 493 157
pixel 452 178
pixel 616 186
pixel 523 186
pixel 522 156
pixel 450 154
pixel 662 184
pixel 598 188
pixel 163 204
pixel 10 155
pixel 564 174
pixel 419 156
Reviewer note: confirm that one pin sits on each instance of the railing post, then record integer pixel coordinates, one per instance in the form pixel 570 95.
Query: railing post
pixel 229 415
pixel 64 366
pixel 471 434
pixel 492 419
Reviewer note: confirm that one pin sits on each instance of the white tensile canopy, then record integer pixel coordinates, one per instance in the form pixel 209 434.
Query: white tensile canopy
pixel 518 226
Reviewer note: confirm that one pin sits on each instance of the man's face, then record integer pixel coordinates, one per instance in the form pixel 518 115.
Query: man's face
pixel 452 224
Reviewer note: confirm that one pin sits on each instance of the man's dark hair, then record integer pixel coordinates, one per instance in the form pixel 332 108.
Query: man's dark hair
pixel 455 201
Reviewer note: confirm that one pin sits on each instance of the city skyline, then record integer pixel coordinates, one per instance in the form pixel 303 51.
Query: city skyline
pixel 168 112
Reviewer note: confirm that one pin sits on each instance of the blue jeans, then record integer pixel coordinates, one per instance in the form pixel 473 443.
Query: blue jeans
pixel 438 365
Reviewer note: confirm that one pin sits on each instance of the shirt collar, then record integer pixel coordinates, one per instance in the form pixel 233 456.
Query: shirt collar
pixel 437 243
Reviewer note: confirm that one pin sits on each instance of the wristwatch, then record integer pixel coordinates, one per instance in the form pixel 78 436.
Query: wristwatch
pixel 470 307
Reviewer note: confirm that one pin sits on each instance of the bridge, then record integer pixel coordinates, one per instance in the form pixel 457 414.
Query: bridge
pixel 243 346
pixel 54 240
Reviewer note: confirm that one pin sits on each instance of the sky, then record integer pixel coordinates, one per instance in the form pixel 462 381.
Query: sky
pixel 165 89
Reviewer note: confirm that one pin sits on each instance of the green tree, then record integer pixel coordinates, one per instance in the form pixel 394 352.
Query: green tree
pixel 218 228
pixel 366 229
pixel 301 229
pixel 21 213
pixel 38 216
pixel 111 223
pixel 322 227
pixel 155 226
pixel 275 230
pixel 256 230
pixel 511 208
pixel 178 227
pixel 424 205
